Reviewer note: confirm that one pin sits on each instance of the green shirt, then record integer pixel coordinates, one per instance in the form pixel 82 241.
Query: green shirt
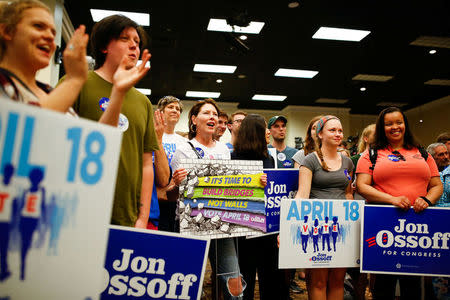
pixel 136 122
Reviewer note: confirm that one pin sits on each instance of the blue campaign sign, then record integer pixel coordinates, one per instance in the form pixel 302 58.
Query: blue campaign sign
pixel 405 242
pixel 143 264
pixel 281 184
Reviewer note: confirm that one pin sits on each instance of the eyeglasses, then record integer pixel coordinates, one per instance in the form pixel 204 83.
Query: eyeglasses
pixel 398 155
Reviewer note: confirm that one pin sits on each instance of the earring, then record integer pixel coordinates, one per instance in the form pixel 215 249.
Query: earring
pixel 193 127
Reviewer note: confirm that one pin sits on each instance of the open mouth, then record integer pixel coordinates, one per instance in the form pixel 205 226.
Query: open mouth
pixel 44 48
pixel 211 124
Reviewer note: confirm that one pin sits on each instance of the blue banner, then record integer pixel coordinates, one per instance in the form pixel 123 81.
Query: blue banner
pixel 405 242
pixel 281 184
pixel 153 265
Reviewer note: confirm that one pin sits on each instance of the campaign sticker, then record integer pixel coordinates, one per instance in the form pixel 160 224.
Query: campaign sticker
pixel 393 158
pixel 123 123
pixel 281 156
pixel 347 174
pixel 200 151
pixel 287 163
pixel 103 103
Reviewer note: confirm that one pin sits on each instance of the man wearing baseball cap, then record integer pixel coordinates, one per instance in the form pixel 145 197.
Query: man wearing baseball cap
pixel 277 127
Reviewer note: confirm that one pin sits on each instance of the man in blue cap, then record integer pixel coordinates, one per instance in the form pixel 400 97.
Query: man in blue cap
pixel 277 127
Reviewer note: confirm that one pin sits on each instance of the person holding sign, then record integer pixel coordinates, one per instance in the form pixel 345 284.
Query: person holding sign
pixel 326 174
pixel 397 171
pixel 203 119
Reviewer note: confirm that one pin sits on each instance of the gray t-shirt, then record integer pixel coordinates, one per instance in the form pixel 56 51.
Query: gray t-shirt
pixel 299 156
pixel 328 184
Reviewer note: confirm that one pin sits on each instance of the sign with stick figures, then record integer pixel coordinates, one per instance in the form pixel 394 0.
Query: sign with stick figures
pixel 320 233
pixel 57 178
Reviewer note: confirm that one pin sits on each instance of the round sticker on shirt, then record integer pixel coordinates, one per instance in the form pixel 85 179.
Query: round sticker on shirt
pixel 281 156
pixel 393 158
pixel 103 103
pixel 123 123
pixel 347 174
pixel 200 151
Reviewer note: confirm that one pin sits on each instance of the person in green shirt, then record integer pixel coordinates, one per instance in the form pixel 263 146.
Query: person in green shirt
pixel 116 45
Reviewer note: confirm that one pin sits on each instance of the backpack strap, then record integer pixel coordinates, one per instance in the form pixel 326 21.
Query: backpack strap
pixel 195 150
pixel 373 154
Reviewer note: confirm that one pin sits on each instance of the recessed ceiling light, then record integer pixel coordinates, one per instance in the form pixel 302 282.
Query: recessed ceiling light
pixel 222 25
pixel 432 51
pixel 145 91
pixel 362 89
pixel 293 4
pixel 243 37
pixel 140 18
pixel 241 76
pixel 140 62
pixel 331 101
pixel 369 77
pixel 340 34
pixel 214 68
pixel 296 73
pixel 202 94
pixel 269 97
pixel 219 80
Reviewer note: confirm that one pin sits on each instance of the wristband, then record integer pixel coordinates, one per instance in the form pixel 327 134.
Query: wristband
pixel 426 200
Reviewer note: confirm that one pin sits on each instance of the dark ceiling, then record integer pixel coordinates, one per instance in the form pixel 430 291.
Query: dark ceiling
pixel 179 39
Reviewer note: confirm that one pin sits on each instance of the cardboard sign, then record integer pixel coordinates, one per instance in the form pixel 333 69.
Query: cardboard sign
pixel 147 264
pixel 222 198
pixel 404 242
pixel 57 177
pixel 320 233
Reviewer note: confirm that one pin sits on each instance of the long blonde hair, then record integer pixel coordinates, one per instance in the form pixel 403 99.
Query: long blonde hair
pixel 319 128
pixel 10 15
pixel 362 144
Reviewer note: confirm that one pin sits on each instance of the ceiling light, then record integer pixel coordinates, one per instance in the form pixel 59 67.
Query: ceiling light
pixel 145 91
pixel 293 4
pixel 214 68
pixel 432 51
pixel 269 98
pixel 386 104
pixel 369 77
pixel 202 94
pixel 140 18
pixel 241 76
pixel 331 101
pixel 296 73
pixel 243 37
pixel 222 25
pixel 219 80
pixel 140 62
pixel 340 34
pixel 362 89
pixel 443 82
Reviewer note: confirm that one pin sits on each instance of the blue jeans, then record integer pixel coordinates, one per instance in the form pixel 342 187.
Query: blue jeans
pixel 224 261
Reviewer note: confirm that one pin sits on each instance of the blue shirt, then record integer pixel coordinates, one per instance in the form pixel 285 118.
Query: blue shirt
pixel 284 158
pixel 445 179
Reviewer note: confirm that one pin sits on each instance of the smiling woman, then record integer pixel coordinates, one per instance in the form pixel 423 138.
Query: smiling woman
pixel 27 43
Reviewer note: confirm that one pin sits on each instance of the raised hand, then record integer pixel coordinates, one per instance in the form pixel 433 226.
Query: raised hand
pixel 74 56
pixel 158 121
pixel 125 77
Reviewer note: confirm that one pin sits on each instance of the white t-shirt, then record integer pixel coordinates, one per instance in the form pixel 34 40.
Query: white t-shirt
pixel 218 151
pixel 6 198
pixel 170 143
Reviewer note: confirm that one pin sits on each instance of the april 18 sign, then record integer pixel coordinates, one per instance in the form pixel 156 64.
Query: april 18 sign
pixel 405 242
pixel 57 177
pixel 320 233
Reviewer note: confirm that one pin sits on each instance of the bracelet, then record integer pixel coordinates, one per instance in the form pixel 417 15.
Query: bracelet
pixel 427 200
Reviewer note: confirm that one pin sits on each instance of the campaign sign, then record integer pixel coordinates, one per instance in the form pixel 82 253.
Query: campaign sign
pixel 320 233
pixel 57 177
pixel 145 264
pixel 282 184
pixel 222 198
pixel 404 242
